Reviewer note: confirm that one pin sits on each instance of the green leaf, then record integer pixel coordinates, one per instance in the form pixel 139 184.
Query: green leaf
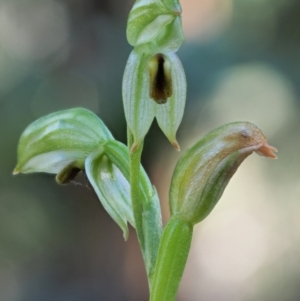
pixel 204 171
pixel 61 139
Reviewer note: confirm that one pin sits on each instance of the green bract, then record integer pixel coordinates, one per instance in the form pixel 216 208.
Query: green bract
pixel 155 26
pixel 154 86
pixel 203 172
pixel 62 139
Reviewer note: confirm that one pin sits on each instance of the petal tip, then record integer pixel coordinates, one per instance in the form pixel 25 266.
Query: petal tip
pixel 126 235
pixel 267 150
pixel 16 171
pixel 176 145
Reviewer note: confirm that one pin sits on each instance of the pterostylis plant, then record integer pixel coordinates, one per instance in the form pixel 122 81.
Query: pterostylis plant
pixel 154 85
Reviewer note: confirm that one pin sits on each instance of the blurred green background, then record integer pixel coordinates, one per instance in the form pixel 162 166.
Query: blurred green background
pixel 242 62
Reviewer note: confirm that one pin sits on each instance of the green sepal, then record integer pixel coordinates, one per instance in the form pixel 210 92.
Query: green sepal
pixel 169 115
pixel 204 171
pixel 111 187
pixel 139 107
pixel 61 139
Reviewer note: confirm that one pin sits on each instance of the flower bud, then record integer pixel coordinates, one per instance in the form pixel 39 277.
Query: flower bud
pixel 204 171
pixel 155 26
pixel 154 86
pixel 59 143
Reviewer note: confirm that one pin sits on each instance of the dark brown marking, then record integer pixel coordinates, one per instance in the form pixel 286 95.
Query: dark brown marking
pixel 67 174
pixel 160 79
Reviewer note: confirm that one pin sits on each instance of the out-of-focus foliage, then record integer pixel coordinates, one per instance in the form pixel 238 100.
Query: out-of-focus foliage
pixel 241 59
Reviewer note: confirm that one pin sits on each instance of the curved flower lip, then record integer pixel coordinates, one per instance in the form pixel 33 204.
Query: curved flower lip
pixel 262 149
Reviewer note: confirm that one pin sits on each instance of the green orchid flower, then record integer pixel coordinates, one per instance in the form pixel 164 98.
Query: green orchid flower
pixel 154 86
pixel 199 180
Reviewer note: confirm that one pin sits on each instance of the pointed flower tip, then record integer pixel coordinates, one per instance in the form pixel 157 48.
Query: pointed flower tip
pixel 126 235
pixel 16 171
pixel 267 150
pixel 176 145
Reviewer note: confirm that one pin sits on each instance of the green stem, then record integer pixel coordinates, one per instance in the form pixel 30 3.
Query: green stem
pixel 172 256
pixel 146 211
pixel 135 162
pixel 152 227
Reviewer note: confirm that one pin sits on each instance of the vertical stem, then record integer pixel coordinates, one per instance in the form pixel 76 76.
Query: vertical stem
pixel 172 256
pixel 135 161
pixel 146 211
